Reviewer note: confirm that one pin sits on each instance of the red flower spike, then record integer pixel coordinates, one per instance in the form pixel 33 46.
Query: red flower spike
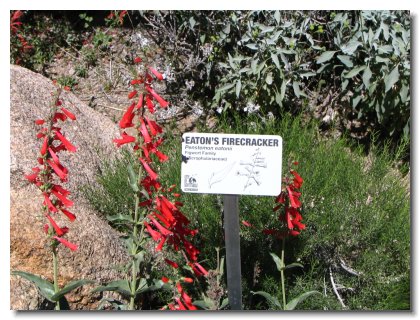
pixel 125 138
pixel 65 142
pixel 71 246
pixel 172 264
pixel 158 98
pixel 68 113
pixel 156 73
pixel 153 175
pixel 132 94
pixel 127 119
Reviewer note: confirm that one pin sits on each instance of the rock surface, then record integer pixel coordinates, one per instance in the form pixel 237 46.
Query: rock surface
pixel 100 248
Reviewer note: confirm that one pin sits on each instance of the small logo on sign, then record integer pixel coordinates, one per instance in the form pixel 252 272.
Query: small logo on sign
pixel 190 183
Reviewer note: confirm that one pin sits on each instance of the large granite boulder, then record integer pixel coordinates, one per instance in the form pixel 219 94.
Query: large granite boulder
pixel 100 248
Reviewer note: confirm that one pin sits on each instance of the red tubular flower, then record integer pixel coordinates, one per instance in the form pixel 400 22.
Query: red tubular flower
pixel 48 203
pixel 125 138
pixel 199 267
pixel 297 181
pixel 161 229
pixel 132 94
pixel 153 233
pixel 59 231
pixel 34 176
pixel 293 197
pixel 60 189
pixel 149 104
pixel 246 223
pixel 44 146
pixel 153 127
pixel 156 73
pixel 39 122
pixel 71 246
pixel 162 157
pixel 137 60
pixel 172 263
pixel 62 198
pixel 58 170
pixel 157 97
pixel 68 214
pixel 54 156
pixel 68 113
pixel 149 171
pixel 65 142
pixel 127 119
pixel 140 102
pixel 161 243
pixel 144 132
pixel 165 279
pixel 188 280
pixel 59 116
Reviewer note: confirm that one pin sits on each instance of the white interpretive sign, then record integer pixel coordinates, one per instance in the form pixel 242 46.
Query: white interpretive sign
pixel 242 164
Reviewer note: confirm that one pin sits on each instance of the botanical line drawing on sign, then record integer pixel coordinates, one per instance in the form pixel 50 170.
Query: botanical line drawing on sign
pixel 218 176
pixel 253 173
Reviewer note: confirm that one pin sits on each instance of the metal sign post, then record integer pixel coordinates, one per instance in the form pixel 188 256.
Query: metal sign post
pixel 233 250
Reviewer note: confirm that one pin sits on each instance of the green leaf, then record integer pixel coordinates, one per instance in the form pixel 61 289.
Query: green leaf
pixel 307 74
pixel 367 74
pixel 269 78
pixel 404 93
pixel 350 47
pixel 277 260
pixel 254 64
pixel 238 87
pixel 391 79
pixel 277 16
pixel 354 72
pixel 346 60
pixel 325 56
pixel 385 29
pixel 269 297
pixel 225 302
pixel 296 88
pixel 252 46
pixel 120 217
pixel 192 22
pixel 292 304
pixel 143 287
pixel 69 287
pixel 226 87
pixel 293 265
pixel 45 287
pixel 202 304
pixel 283 89
pixel 226 29
pixel 275 60
pixel 132 178
pixel 121 286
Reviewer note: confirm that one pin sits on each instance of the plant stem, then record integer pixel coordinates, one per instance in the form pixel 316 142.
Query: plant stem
pixel 55 269
pixel 134 251
pixel 283 289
